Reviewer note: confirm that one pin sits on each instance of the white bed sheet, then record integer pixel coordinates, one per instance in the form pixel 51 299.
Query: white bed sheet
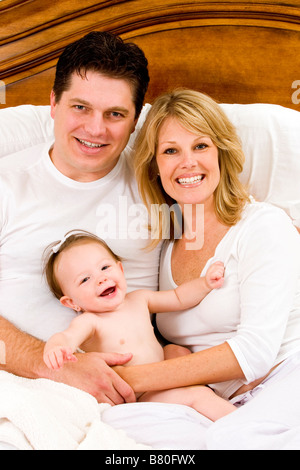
pixel 44 415
pixel 160 425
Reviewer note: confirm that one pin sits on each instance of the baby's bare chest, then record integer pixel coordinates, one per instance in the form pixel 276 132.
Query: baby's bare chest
pixel 128 330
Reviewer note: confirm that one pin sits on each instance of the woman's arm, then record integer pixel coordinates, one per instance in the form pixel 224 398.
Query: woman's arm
pixel 216 364
pixel 268 264
pixel 269 270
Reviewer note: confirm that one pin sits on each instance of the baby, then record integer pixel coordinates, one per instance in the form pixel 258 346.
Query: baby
pixel 86 276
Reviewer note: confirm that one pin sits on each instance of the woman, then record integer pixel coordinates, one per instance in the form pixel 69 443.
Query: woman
pixel 247 332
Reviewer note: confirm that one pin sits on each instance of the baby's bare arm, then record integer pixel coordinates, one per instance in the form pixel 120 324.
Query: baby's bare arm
pixel 61 346
pixel 188 294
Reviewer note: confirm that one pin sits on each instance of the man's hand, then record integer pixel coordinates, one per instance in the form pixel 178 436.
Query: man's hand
pixel 93 373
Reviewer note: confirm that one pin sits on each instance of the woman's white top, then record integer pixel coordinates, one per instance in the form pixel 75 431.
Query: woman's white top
pixel 257 311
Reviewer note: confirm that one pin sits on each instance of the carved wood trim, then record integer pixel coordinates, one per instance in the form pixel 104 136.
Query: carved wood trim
pixel 34 33
pixel 27 26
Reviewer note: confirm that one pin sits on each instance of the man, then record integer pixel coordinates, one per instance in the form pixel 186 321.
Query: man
pixel 83 181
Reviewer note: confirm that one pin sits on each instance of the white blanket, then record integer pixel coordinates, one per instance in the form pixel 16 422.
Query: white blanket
pixel 44 415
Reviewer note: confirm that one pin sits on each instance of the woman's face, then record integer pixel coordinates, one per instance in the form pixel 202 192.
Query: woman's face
pixel 187 163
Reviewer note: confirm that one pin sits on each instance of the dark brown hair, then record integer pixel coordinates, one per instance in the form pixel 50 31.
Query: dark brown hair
pixel 109 55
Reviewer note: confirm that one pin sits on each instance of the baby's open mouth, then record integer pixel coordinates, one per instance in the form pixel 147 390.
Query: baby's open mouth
pixel 108 291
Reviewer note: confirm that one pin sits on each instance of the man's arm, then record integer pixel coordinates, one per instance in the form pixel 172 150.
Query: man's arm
pixel 22 352
pixel 23 356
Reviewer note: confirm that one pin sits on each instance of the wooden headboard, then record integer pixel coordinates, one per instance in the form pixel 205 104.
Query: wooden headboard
pixel 237 52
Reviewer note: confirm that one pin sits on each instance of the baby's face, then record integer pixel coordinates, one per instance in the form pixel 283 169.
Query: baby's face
pixel 90 278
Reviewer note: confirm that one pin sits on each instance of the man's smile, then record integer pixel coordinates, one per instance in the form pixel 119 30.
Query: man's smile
pixel 88 144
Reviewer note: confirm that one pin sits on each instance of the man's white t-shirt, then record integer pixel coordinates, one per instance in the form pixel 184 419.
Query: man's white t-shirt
pixel 39 205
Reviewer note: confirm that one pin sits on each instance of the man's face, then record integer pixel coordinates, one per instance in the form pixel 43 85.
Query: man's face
pixel 92 121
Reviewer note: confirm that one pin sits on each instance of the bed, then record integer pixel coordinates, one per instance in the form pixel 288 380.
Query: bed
pixel 243 54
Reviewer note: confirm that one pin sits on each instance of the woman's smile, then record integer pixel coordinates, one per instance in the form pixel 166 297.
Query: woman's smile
pixel 188 181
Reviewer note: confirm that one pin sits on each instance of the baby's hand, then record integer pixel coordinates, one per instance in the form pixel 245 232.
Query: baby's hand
pixel 57 356
pixel 215 275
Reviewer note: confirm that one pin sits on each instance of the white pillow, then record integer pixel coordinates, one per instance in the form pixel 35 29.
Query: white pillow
pixel 270 135
pixel 24 126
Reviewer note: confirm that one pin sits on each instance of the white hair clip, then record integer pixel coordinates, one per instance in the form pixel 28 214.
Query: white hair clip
pixel 56 247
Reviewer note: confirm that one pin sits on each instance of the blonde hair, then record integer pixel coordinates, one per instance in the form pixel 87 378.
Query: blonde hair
pixel 53 251
pixel 200 114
